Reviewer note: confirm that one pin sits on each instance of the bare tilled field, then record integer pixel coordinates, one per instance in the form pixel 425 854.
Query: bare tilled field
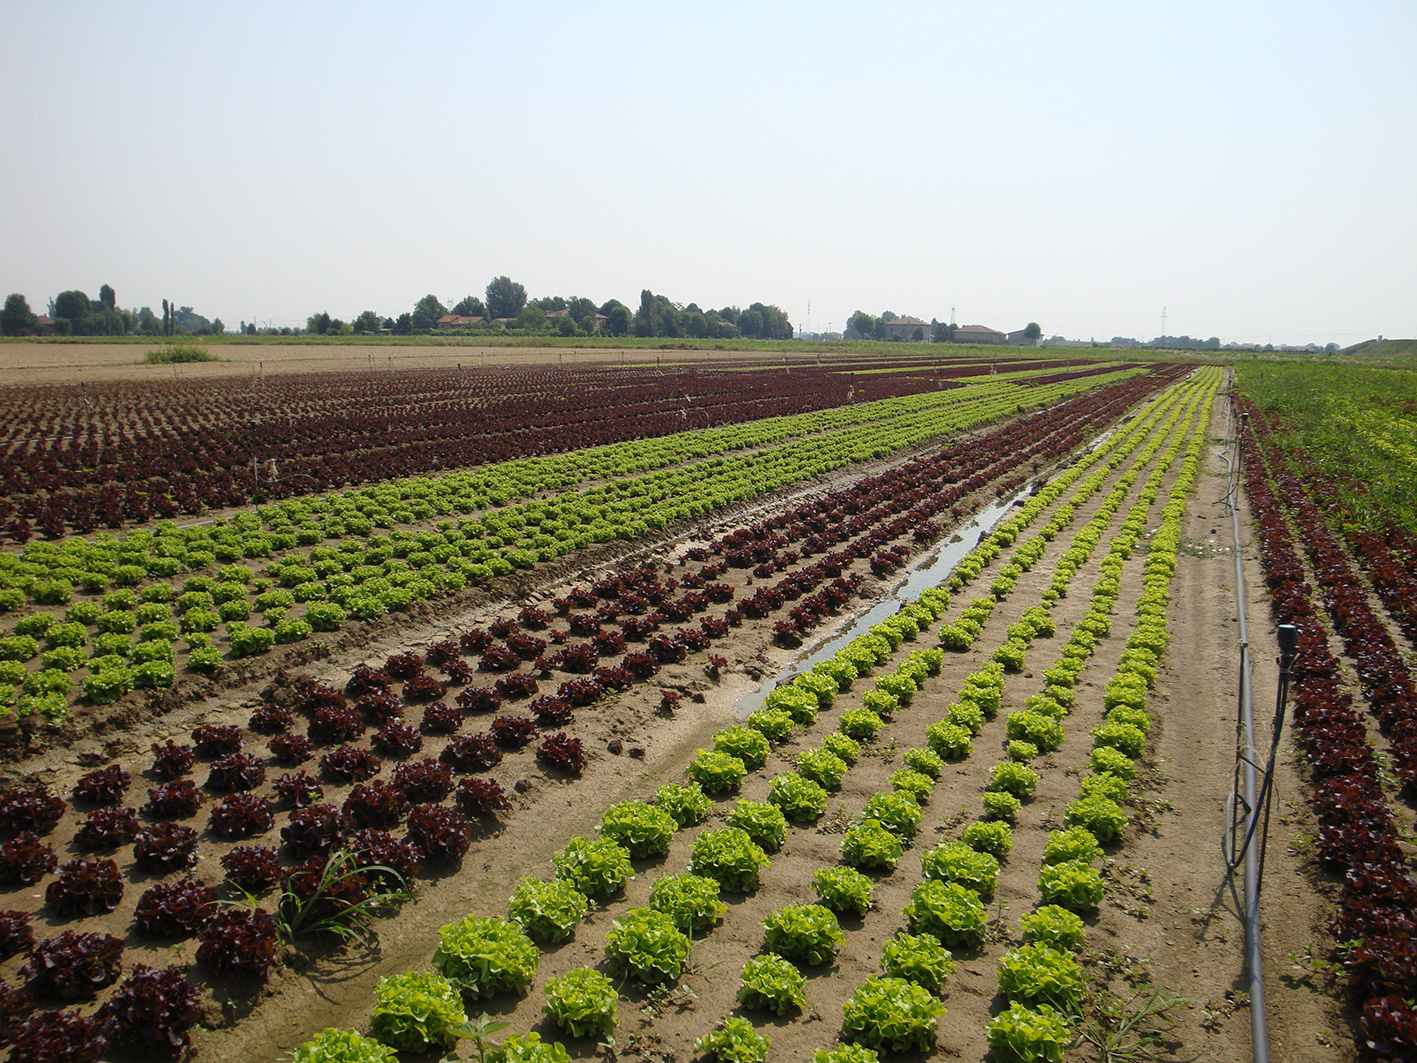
pixel 900 727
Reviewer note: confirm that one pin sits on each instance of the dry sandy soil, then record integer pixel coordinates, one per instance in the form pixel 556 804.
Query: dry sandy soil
pixel 1170 908
pixel 63 363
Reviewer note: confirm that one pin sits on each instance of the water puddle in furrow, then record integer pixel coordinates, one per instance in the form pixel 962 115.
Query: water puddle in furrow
pixel 930 571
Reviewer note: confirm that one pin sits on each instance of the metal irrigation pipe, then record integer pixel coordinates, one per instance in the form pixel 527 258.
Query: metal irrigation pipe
pixel 1256 805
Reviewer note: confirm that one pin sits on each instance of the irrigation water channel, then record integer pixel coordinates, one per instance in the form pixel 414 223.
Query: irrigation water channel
pixel 930 571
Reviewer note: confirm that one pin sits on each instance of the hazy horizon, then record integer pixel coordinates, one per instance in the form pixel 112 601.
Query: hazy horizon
pixel 1246 167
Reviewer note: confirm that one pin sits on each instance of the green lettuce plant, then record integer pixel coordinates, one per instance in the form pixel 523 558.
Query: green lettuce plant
pixel 715 772
pixel 342 1046
pixel 582 1002
pixel 948 911
pixel 1017 779
pixel 596 868
pixel 687 805
pixel 992 836
pixel 1053 926
pixel 952 861
pixel 773 724
pixel 771 983
pixel 848 749
pixel 914 784
pixel 823 767
pixel 690 900
pixel 999 805
pixel 1038 974
pixel 484 956
pixel 641 830
pixel 529 1048
pixel 847 1053
pixel 745 743
pixel 869 845
pixel 918 958
pixel 949 741
pixel 760 820
pixel 800 799
pixel 897 812
pixel 729 857
pixel 413 1011
pixel 734 1041
pixel 547 911
pixel 1029 1035
pixel 891 1014
pixel 804 933
pixel 843 889
pixel 1102 818
pixel 644 944
pixel 859 724
pixel 925 761
pixel 1073 884
pixel 1075 843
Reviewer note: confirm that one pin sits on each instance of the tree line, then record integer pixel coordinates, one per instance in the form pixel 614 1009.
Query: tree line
pixel 504 305
pixel 73 313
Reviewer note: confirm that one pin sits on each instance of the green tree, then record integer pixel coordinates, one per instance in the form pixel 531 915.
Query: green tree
pixel 750 323
pixel 403 325
pixel 17 319
pixel 426 313
pixel 1032 331
pixel 470 306
pixel 583 310
pixel 367 322
pixel 618 319
pixel 550 303
pixel 74 307
pixel 531 318
pixel 107 297
pixel 505 297
pixel 318 323
pixel 860 326
pixel 943 331
pixel 566 325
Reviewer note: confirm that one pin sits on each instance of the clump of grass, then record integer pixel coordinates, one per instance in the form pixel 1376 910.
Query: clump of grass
pixel 179 352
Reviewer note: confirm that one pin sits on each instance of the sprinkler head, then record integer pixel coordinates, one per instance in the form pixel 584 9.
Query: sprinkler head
pixel 1288 644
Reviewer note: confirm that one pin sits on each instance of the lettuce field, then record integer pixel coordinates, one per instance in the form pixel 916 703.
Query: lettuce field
pixel 731 712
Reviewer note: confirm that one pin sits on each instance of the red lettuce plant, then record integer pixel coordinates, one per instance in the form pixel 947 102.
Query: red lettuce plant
pixel 150 1013
pixel 16 934
pixel 376 804
pixel 424 688
pixel 48 1036
pixel 313 831
pixel 175 909
pixel 174 800
pixel 458 671
pixel 439 834
pixel 298 789
pixel 103 786
pixel 563 752
pixel 479 699
pixel 446 650
pixel 471 752
pixel 171 761
pixel 424 781
pixel 513 731
pixel 347 764
pixel 373 849
pixel 552 710
pixel 24 860
pixel 482 797
pixel 271 719
pixel 332 724
pixel 363 680
pixel 440 718
pixel 34 810
pixel 73 966
pixel 107 828
pixel 516 685
pixel 165 847
pixel 240 941
pixel 236 773
pixel 404 665
pixel 85 887
pixel 398 739
pixel 242 816
pixel 253 868
pixel 216 740
pixel 291 749
pixel 378 707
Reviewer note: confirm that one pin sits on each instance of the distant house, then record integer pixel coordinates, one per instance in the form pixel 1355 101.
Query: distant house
pixel 1018 339
pixel 903 328
pixel 456 321
pixel 979 334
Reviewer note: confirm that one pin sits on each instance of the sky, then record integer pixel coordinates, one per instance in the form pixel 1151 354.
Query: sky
pixel 1249 169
